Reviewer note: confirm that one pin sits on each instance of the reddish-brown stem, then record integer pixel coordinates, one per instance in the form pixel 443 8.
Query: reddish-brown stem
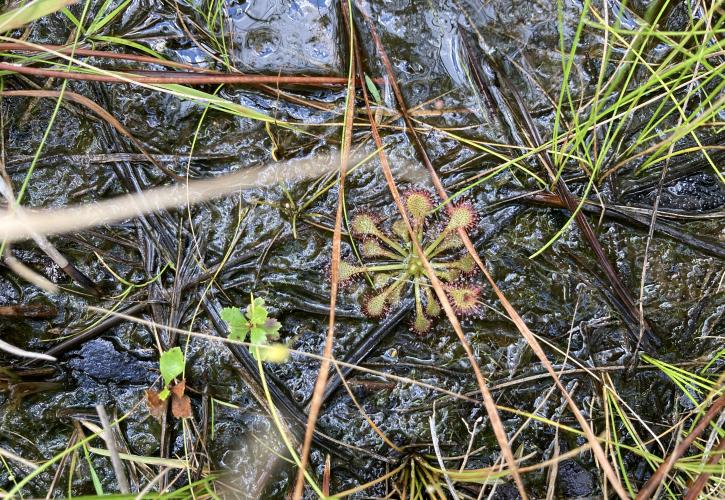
pixel 180 77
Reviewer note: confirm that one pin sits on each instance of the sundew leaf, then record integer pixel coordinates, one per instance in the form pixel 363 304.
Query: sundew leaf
pixel 238 326
pixel 171 365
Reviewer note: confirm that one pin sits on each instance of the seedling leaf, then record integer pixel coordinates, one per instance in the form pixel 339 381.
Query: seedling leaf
pixel 238 326
pixel 260 327
pixel 258 336
pixel 256 312
pixel 171 365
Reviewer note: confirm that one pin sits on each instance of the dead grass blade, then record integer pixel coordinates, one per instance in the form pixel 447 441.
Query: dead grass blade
pixel 57 221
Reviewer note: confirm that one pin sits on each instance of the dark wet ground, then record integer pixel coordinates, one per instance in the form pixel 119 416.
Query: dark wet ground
pixel 560 294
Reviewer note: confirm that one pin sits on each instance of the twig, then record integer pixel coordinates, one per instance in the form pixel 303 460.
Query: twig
pixel 111 444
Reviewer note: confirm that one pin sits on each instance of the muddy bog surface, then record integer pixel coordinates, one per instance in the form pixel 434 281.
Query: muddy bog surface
pixel 177 268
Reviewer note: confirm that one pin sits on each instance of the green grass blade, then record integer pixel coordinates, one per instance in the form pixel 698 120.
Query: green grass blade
pixel 30 12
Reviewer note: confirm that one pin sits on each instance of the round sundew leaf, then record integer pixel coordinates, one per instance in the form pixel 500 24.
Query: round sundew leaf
pixel 419 204
pixel 375 305
pixel 461 217
pixel 372 248
pixel 381 279
pixel 448 274
pixel 395 296
pixel 432 307
pixel 400 230
pixel 465 264
pixel 364 224
pixel 346 270
pixel 420 324
pixel 451 242
pixel 464 298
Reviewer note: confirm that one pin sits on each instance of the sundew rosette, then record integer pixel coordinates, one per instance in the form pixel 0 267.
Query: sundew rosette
pixel 395 269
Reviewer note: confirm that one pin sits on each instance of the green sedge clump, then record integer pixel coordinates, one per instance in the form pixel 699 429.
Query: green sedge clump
pixel 396 269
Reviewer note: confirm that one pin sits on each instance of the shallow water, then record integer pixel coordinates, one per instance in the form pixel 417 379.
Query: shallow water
pixel 560 294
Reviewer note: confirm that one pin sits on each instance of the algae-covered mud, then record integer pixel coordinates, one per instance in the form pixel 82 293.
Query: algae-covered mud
pixel 516 210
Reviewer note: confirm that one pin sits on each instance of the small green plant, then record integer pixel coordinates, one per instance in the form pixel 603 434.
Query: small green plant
pixel 256 323
pixel 396 268
pixel 171 365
